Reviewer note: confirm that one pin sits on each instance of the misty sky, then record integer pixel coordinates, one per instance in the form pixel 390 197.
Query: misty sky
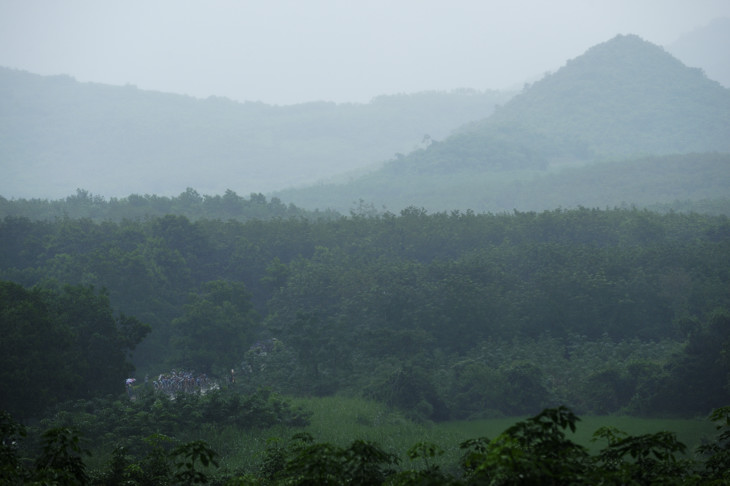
pixel 285 52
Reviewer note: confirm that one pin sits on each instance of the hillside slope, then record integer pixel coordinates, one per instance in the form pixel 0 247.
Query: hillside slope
pixel 57 135
pixel 622 99
pixel 706 47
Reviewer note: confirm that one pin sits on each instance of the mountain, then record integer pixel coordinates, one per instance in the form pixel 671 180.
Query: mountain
pixel 707 47
pixel 625 98
pixel 57 135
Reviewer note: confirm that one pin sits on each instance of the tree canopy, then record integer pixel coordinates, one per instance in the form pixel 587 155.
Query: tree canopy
pixel 600 310
pixel 61 345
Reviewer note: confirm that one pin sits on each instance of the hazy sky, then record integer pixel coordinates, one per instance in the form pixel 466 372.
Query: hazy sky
pixel 284 51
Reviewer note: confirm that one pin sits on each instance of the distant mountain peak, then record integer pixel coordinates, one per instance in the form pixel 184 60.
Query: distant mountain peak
pixel 622 62
pixel 625 54
pixel 625 96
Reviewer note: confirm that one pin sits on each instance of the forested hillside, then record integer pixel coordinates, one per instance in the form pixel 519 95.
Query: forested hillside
pixel 692 182
pixel 190 203
pixel 624 97
pixel 621 101
pixel 684 183
pixel 442 315
pixel 58 135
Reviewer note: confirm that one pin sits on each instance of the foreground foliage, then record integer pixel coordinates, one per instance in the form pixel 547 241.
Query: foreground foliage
pixel 186 416
pixel 537 450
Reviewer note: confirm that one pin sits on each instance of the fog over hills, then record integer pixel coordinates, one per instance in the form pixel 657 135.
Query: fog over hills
pixel 625 98
pixel 290 52
pixel 707 47
pixel 59 135
pixel 621 99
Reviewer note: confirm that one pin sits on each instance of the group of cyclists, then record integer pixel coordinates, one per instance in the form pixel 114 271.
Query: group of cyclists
pixel 181 381
pixel 175 382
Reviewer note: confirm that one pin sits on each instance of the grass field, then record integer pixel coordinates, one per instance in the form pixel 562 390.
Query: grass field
pixel 340 420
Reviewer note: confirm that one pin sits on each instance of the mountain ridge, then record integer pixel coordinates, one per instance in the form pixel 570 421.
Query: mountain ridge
pixel 59 134
pixel 632 82
pixel 623 99
pixel 613 101
pixel 706 47
pixel 628 82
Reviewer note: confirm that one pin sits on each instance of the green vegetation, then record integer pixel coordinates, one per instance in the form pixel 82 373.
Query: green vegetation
pixel 444 316
pixel 185 416
pixel 84 205
pixel 543 449
pixel 683 183
pixel 61 345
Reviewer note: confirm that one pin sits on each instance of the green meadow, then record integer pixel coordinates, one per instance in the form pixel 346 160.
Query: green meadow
pixel 340 420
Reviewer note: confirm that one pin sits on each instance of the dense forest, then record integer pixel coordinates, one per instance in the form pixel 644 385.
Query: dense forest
pixel 441 316
pixel 190 203
pixel 417 309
